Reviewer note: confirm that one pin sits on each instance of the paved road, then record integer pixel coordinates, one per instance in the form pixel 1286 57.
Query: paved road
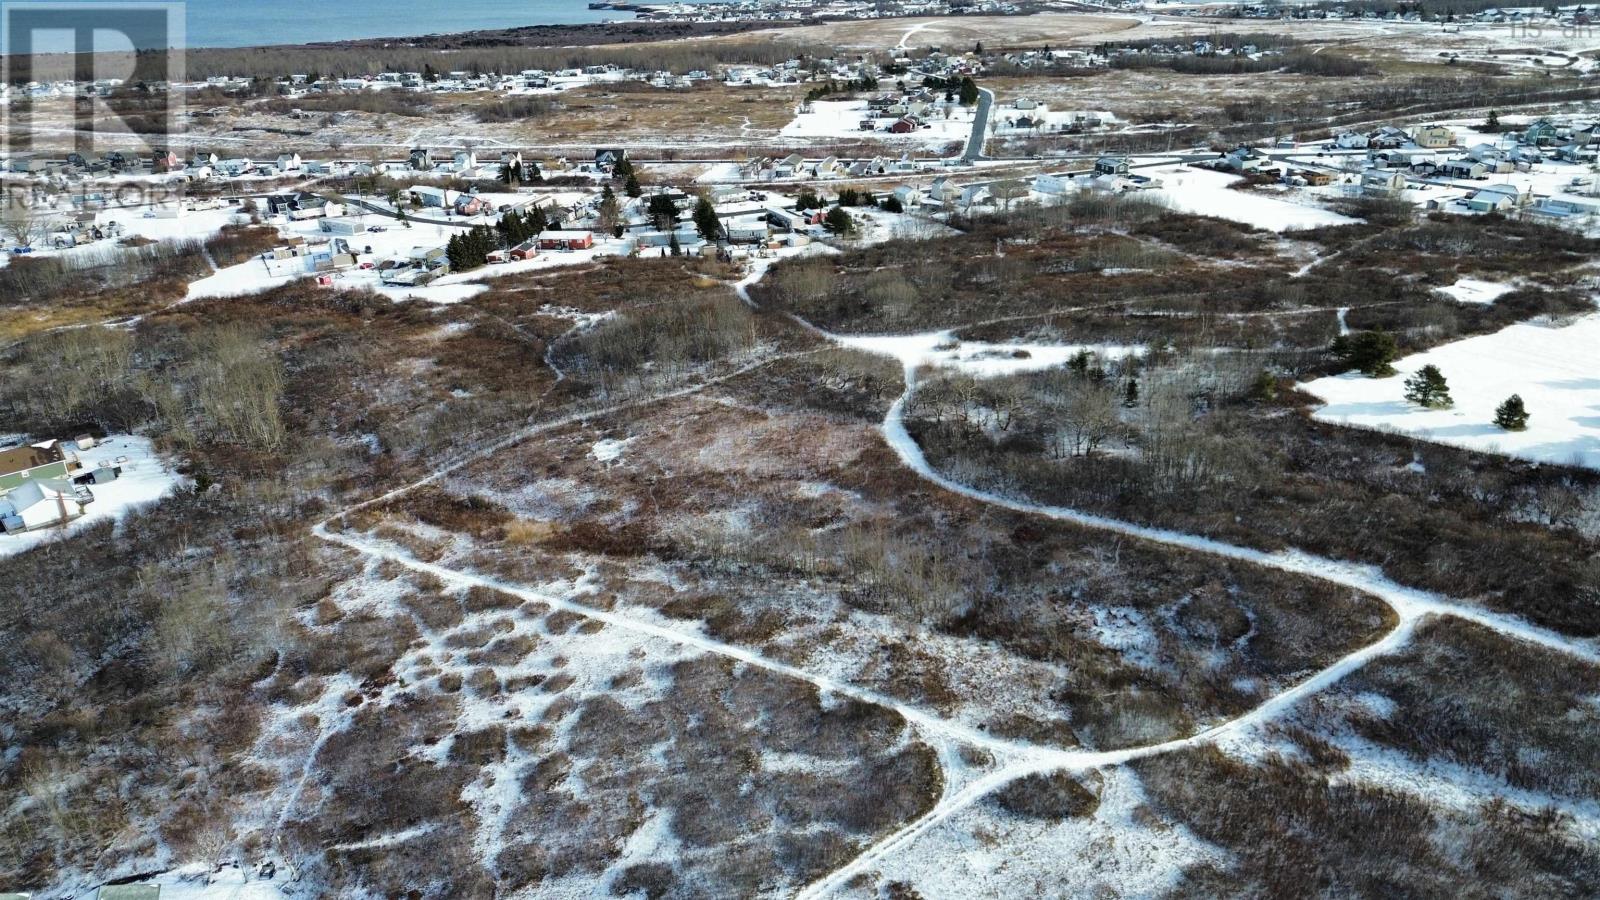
pixel 980 126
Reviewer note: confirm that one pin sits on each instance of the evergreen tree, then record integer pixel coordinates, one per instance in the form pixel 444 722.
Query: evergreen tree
pixel 968 91
pixel 631 186
pixel 1078 363
pixel 1492 123
pixel 534 175
pixel 1370 352
pixel 1512 415
pixel 807 200
pixel 706 221
pixel 1130 394
pixel 1427 388
pixel 534 221
pixel 1265 388
pixel 672 245
pixel 622 170
pixel 891 203
pixel 508 227
pixel 838 221
pixel 663 211
pixel 509 173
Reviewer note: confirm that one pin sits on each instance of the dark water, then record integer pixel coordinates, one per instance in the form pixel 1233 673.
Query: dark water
pixel 244 23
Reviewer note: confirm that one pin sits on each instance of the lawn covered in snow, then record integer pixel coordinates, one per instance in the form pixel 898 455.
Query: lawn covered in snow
pixel 145 479
pixel 842 119
pixel 1207 193
pixel 373 247
pixel 1555 368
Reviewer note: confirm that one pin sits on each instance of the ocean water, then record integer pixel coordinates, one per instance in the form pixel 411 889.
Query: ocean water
pixel 245 23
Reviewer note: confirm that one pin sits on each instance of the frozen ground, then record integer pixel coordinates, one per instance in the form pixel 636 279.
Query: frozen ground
pixel 373 247
pixel 842 119
pixel 145 479
pixel 1552 367
pixel 939 349
pixel 1208 194
pixel 1475 290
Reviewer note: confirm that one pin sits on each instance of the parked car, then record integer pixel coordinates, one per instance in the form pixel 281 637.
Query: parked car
pixel 379 228
pixel 21 250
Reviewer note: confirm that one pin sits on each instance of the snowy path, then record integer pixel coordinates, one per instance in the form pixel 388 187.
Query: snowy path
pixel 1409 605
pixel 1014 759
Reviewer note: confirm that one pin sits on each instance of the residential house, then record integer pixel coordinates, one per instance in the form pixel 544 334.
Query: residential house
pixel 1540 133
pixel 1350 140
pixel 1461 168
pixel 943 190
pixel 974 195
pixel 420 159
pixel 608 157
pixel 470 205
pixel 1578 152
pixel 1241 159
pixel 19 465
pixel 41 503
pixel 908 195
pixel 789 166
pixel 566 240
pixel 1498 198
pixel 1055 185
pixel 1382 182
pixel 1433 137
pixel 1566 206
pixel 1111 165
pixel 1388 138
pixel 428 195
pixel 288 162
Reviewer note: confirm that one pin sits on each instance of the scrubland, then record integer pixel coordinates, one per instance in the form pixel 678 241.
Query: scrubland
pixel 543 592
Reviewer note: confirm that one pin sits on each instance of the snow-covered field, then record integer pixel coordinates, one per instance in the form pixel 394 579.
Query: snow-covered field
pixel 842 119
pixel 1553 368
pixel 145 479
pixel 938 349
pixel 1208 193
pixel 251 276
pixel 1475 290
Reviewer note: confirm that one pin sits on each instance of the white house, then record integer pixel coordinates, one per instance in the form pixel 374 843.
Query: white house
pixel 1054 184
pixel 1382 182
pixel 39 504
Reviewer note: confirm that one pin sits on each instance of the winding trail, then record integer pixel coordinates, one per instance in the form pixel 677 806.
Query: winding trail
pixel 1013 759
